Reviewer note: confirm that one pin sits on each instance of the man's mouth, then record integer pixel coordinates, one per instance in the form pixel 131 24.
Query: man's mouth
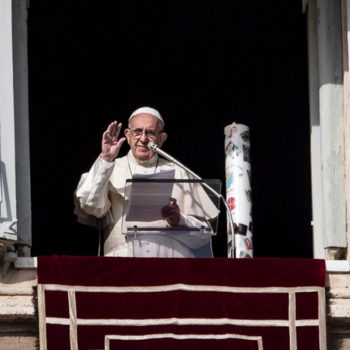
pixel 142 147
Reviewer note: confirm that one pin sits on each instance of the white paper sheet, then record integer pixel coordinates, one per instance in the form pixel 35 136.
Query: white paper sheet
pixel 148 198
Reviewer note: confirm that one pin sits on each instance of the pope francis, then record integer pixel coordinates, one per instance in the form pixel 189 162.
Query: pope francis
pixel 101 193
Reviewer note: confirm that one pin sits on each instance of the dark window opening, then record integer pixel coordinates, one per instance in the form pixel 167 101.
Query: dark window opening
pixel 203 65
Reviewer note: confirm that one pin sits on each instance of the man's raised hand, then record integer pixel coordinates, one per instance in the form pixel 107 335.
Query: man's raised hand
pixel 110 143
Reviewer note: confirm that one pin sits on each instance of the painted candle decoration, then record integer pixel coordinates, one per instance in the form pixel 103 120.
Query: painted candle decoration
pixel 238 189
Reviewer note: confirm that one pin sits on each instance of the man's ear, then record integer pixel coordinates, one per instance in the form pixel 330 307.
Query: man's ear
pixel 127 134
pixel 163 137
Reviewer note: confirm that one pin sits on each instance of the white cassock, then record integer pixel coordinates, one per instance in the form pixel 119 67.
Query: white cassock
pixel 101 195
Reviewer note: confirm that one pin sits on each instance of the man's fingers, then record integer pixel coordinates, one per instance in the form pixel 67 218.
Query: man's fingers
pixel 110 127
pixel 170 210
pixel 120 142
pixel 117 129
pixel 167 211
pixel 108 133
pixel 113 127
pixel 110 143
pixel 172 202
pixel 113 131
pixel 171 215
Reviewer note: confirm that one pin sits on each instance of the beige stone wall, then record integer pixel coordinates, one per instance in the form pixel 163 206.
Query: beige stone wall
pixel 338 310
pixel 15 342
pixel 18 317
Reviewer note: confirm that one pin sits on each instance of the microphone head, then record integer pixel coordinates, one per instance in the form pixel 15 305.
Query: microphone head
pixel 152 146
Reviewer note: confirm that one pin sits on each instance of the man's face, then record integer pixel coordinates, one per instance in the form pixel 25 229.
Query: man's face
pixel 151 128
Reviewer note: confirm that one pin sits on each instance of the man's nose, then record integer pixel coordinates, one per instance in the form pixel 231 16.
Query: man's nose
pixel 144 137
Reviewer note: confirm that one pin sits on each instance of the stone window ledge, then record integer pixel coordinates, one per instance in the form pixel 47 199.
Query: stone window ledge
pixel 342 266
pixel 331 265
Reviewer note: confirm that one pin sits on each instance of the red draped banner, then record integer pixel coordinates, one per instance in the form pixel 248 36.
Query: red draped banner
pixel 95 303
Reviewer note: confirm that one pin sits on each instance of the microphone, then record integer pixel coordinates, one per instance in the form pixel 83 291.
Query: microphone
pixel 154 147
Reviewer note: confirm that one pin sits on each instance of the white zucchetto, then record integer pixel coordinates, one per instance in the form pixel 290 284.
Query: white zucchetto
pixel 147 110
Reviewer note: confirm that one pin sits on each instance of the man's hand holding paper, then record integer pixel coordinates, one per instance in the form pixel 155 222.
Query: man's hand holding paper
pixel 171 212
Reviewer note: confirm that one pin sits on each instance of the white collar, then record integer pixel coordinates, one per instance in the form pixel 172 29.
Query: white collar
pixel 146 163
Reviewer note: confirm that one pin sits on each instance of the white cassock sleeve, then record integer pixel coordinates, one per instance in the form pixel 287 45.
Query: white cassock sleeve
pixel 92 192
